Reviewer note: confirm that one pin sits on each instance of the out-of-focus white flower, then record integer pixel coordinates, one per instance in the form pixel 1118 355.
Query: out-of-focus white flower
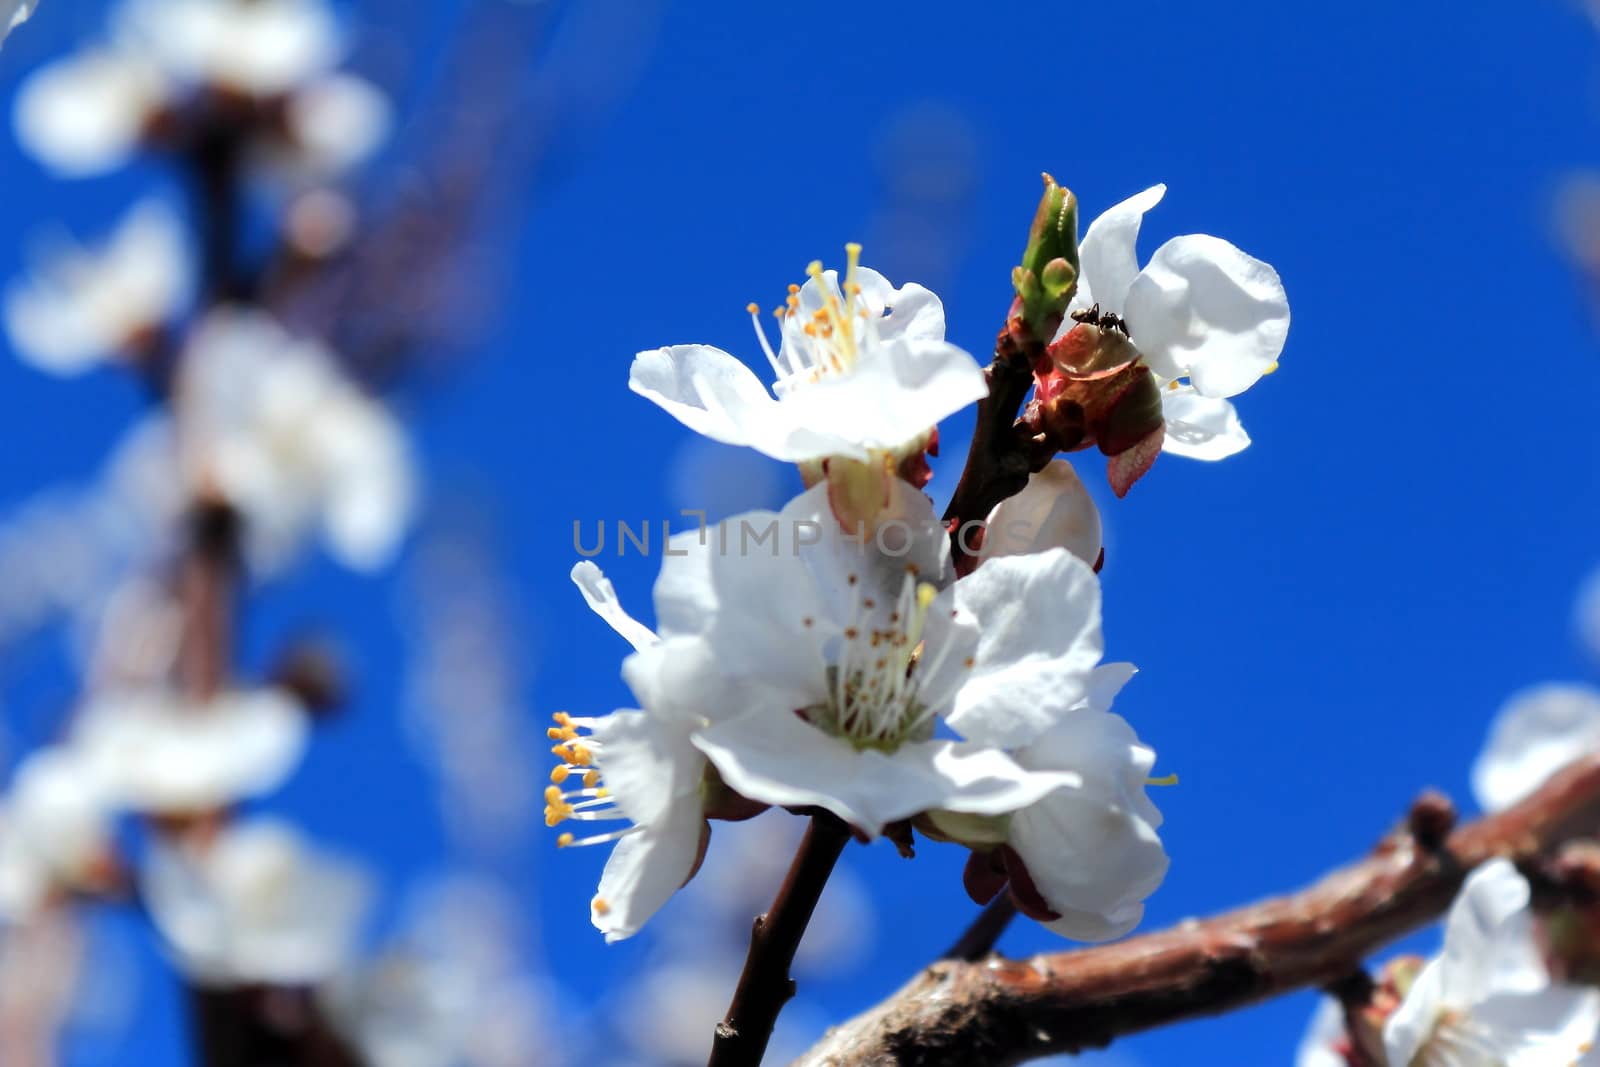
pixel 1487 1000
pixel 271 424
pixel 1090 848
pixel 87 113
pixel 82 305
pixel 158 752
pixel 862 371
pixel 874 655
pixel 336 122
pixel 14 13
pixel 1537 733
pixel 55 824
pixel 259 47
pixel 651 771
pixel 255 904
pixel 1209 319
pixel 1054 510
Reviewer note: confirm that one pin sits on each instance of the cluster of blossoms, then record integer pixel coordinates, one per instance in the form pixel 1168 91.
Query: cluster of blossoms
pixel 900 672
pixel 261 442
pixel 1513 984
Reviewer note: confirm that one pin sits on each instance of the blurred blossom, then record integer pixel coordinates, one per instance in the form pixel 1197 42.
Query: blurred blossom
pixel 83 305
pixel 271 424
pixel 1537 733
pixel 159 752
pixel 254 904
pixel 55 824
pixel 255 47
pixel 87 113
pixel 452 991
pixel 135 644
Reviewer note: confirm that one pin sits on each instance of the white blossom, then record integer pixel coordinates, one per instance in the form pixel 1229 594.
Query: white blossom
pixel 861 370
pixel 1537 733
pixel 271 424
pixel 55 825
pixel 1209 319
pixel 159 752
pixel 82 305
pixel 259 47
pixel 336 122
pixel 650 770
pixel 1090 846
pixel 874 656
pixel 87 113
pixel 1054 510
pixel 1323 1043
pixel 1487 1000
pixel 256 904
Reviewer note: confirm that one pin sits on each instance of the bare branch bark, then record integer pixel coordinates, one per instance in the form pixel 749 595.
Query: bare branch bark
pixel 1003 1011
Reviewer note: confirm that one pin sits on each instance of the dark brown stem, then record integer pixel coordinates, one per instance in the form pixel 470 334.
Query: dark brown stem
pixel 206 592
pixel 997 465
pixel 978 940
pixel 258 1026
pixel 765 985
pixel 1004 1012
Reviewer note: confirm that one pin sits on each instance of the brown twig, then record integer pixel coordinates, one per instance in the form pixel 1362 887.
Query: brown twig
pixel 765 986
pixel 978 940
pixel 1004 1011
pixel 997 466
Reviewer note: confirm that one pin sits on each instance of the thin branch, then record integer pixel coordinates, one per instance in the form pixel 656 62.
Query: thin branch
pixel 978 940
pixel 765 986
pixel 1004 1011
pixel 997 465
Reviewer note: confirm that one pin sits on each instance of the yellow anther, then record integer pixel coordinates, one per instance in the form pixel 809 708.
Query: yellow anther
pixel 793 288
pixel 555 733
pixel 552 818
pixel 1273 369
pixel 563 718
pixel 600 906
pixel 814 269
pixel 1171 779
pixel 591 779
pixel 564 840
pixel 559 774
pixel 552 796
pixel 604 792
pixel 1173 385
pixel 925 595
pixel 753 308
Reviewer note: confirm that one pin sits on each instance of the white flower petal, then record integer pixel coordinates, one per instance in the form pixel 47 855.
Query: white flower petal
pixel 1108 255
pixel 647 765
pixel 1038 618
pixel 601 596
pixel 714 394
pixel 1203 309
pixel 1054 510
pixel 772 755
pixel 1317 1048
pixel 1555 1025
pixel 85 114
pixel 81 305
pixel 1538 732
pixel 895 393
pixel 1408 1029
pixel 645 868
pixel 261 47
pixel 1092 850
pixel 1200 427
pixel 158 753
pixel 1488 938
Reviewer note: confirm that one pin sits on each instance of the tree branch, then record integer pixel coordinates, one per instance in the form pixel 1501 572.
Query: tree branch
pixel 997 467
pixel 978 940
pixel 1007 1011
pixel 765 986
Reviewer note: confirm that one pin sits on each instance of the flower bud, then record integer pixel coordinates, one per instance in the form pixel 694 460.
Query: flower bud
pixel 1048 275
pixel 1095 389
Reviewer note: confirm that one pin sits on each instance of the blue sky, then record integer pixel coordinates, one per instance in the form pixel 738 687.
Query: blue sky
pixel 1324 624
